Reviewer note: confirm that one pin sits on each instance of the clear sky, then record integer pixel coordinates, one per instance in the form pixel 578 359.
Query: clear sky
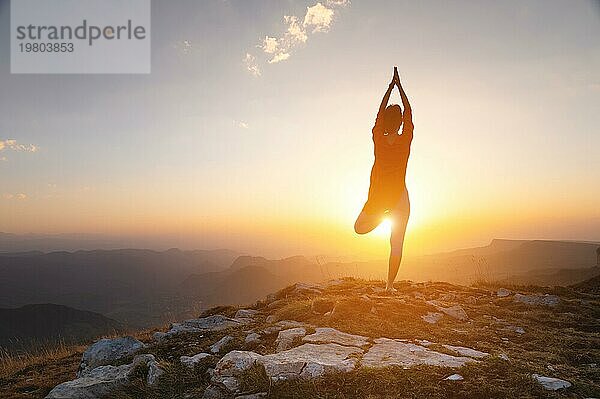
pixel 253 130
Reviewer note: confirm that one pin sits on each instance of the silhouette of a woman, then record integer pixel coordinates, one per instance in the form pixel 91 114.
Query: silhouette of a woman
pixel 387 192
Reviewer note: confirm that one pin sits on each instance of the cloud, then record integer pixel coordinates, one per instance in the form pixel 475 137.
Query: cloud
pixel 279 57
pixel 18 196
pixel 241 124
pixel 251 64
pixel 270 45
pixel 12 144
pixel 317 19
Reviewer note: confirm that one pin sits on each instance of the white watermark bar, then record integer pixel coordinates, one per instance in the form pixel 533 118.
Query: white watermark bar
pixel 80 36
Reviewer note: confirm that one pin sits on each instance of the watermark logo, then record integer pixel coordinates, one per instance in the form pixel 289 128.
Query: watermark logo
pixel 80 36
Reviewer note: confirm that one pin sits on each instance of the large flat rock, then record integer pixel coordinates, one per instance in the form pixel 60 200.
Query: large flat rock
pixel 310 361
pixel 333 336
pixel 305 361
pixel 389 352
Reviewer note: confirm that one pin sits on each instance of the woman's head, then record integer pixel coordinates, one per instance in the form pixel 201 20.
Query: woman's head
pixel 392 118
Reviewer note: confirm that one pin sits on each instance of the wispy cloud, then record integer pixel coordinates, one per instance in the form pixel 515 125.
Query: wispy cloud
pixel 317 19
pixel 18 196
pixel 242 124
pixel 12 144
pixel 251 64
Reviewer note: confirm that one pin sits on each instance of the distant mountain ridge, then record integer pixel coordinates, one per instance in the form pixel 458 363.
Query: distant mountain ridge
pixel 137 287
pixel 35 324
pixel 144 288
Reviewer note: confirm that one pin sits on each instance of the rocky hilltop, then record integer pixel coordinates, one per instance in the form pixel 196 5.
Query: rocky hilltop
pixel 348 339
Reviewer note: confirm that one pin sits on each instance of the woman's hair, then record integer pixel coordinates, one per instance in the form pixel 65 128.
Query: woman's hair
pixel 392 118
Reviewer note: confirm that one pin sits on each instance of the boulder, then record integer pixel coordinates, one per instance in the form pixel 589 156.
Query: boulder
pixel 389 352
pixel 547 300
pixel 286 338
pixel 101 381
pixel 107 351
pixel 503 292
pixel 192 361
pixel 232 366
pixel 331 335
pixel 221 344
pixel 551 384
pixel 454 377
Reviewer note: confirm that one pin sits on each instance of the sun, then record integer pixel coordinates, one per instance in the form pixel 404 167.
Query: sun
pixel 384 229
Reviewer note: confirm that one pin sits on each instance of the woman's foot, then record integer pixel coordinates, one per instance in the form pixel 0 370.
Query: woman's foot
pixel 390 290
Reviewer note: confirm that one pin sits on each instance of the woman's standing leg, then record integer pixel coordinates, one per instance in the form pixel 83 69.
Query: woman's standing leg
pixel 400 216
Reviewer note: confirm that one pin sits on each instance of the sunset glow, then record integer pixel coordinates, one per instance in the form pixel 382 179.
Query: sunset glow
pixel 257 144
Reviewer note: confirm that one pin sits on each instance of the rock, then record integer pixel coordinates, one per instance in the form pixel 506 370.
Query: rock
pixel 107 351
pixel 518 330
pixel 454 377
pixel 245 313
pixel 331 335
pixel 282 325
pixel 503 292
pixel 310 361
pixel 252 396
pixel 96 384
pixel 389 352
pixel 234 365
pixel 286 338
pixel 307 289
pixel 252 338
pixel 432 317
pixel 551 384
pixel 547 300
pixel 422 342
pixel 216 392
pixel 192 361
pixel 455 311
pixel 335 283
pixel 503 357
pixel 211 323
pixel 272 319
pixel 461 350
pixel 305 361
pixel 154 372
pixel 221 344
pixel 159 335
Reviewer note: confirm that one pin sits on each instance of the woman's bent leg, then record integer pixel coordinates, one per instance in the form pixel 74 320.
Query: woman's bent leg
pixel 367 221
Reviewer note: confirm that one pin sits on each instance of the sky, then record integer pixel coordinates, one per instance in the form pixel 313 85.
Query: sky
pixel 253 130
